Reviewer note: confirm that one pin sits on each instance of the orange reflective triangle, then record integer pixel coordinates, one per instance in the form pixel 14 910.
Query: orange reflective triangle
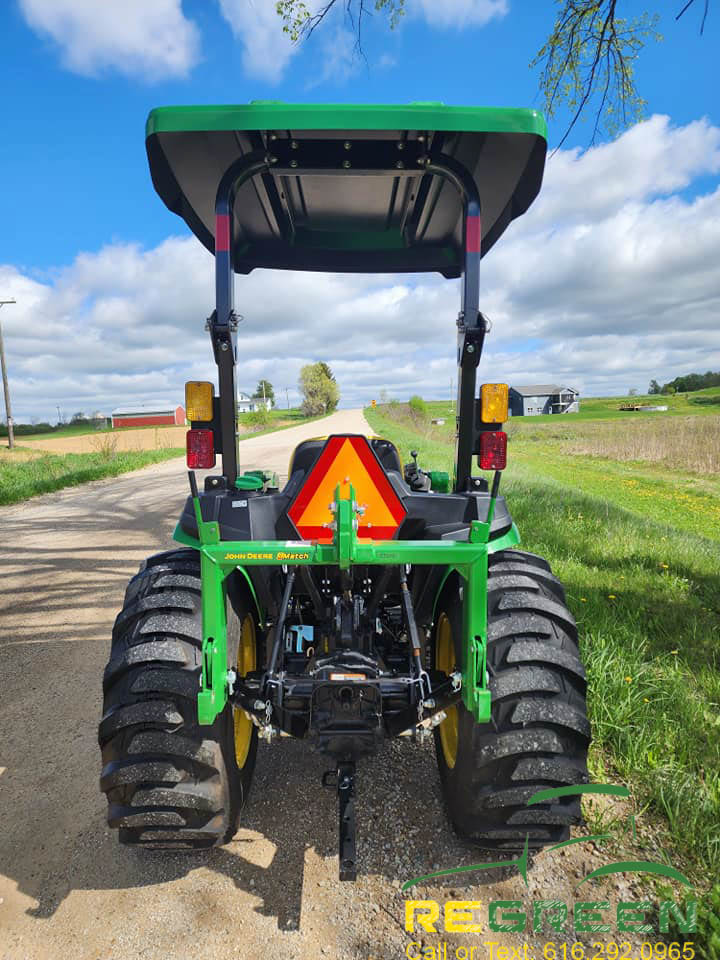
pixel 347 460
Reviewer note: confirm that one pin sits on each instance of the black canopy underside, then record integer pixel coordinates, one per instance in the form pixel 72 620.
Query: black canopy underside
pixel 348 216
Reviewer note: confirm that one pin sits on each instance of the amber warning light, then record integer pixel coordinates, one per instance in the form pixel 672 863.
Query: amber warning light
pixel 346 461
pixel 199 400
pixel 494 402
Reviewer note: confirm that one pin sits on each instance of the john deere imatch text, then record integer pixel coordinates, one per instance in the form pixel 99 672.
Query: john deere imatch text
pixel 363 600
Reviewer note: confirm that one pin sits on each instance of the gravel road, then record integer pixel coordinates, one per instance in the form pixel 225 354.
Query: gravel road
pixel 68 890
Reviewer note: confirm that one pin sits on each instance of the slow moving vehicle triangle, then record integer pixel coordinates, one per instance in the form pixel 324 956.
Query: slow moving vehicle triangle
pixel 347 460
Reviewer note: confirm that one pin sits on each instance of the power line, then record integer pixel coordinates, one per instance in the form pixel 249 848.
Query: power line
pixel 6 385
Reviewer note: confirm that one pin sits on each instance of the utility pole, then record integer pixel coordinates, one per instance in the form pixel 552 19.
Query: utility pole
pixel 6 386
pixel 287 396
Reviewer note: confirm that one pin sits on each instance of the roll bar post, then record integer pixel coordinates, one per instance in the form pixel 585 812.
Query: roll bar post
pixel 222 325
pixel 470 323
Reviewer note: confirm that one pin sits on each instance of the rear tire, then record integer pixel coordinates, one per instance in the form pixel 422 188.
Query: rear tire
pixel 170 783
pixel 539 733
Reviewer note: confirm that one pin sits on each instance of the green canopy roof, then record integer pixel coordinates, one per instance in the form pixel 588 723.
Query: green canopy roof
pixel 354 219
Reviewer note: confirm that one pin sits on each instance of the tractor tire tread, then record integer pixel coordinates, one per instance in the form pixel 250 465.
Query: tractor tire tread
pixel 170 783
pixel 539 732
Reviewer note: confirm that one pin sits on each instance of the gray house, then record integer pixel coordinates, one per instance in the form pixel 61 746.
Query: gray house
pixel 538 398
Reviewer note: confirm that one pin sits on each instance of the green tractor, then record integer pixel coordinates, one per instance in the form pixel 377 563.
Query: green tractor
pixel 364 599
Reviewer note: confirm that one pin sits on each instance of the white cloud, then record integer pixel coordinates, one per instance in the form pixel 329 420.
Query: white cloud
pixel 136 37
pixel 604 294
pixel 651 159
pixel 459 13
pixel 338 56
pixel 266 50
pixel 153 39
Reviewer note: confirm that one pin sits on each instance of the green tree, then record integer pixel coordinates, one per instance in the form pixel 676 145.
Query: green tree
pixel 654 387
pixel 319 389
pixel 695 381
pixel 418 408
pixel 265 389
pixel 586 64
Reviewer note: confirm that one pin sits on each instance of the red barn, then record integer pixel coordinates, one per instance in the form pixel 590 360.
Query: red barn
pixel 148 415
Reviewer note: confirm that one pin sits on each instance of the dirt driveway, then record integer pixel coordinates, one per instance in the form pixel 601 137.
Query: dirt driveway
pixel 68 890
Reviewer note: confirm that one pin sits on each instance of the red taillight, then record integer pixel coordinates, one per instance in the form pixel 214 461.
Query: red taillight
pixel 493 450
pixel 200 445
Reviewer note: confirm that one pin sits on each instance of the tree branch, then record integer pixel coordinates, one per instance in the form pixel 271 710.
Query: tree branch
pixel 589 58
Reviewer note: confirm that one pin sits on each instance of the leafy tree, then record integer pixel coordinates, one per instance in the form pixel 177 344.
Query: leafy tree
pixel 265 389
pixel 326 370
pixel 319 389
pixel 77 417
pixel 418 408
pixel 654 387
pixel 695 381
pixel 586 63
pixel 632 392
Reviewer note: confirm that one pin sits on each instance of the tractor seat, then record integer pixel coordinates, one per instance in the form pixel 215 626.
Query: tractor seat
pixel 307 452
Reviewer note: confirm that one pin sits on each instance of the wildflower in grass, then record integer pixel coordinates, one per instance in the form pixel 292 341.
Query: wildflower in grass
pixel 664 566
pixel 628 679
pixel 645 699
pixel 583 599
pixel 674 652
pixel 611 596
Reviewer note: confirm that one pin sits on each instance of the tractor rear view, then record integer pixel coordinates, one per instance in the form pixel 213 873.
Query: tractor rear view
pixel 364 599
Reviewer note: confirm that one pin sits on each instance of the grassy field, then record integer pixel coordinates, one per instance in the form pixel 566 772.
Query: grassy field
pixel 253 425
pixel 660 466
pixel 249 423
pixel 637 543
pixel 25 474
pixel 27 471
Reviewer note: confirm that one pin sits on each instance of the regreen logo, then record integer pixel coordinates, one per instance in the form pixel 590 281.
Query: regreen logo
pixel 521 862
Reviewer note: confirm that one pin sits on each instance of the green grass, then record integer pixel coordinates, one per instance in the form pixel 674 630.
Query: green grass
pixel 20 479
pixel 277 420
pixel 69 430
pixel 608 408
pixel 24 474
pixel 638 549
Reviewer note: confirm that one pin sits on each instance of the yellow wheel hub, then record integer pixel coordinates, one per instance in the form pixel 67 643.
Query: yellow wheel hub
pixel 445 661
pixel 246 661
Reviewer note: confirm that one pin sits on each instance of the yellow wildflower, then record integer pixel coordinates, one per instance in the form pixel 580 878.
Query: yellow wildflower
pixel 628 679
pixel 611 596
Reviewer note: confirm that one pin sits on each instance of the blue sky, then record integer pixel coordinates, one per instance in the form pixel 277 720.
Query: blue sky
pixel 86 242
